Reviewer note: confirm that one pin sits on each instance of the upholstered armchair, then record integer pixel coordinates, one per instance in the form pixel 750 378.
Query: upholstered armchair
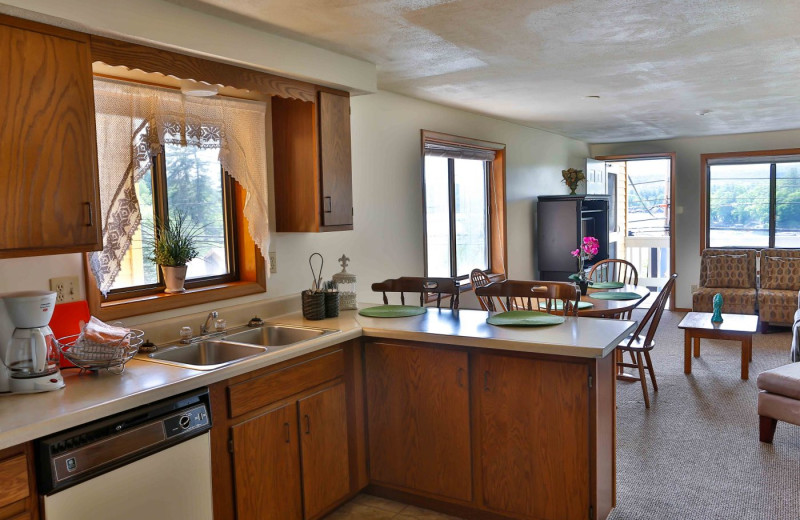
pixel 731 272
pixel 780 283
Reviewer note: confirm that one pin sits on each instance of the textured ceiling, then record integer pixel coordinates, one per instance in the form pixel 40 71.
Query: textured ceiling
pixel 654 64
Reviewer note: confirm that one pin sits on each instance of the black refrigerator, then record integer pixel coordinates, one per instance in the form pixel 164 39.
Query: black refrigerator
pixel 562 223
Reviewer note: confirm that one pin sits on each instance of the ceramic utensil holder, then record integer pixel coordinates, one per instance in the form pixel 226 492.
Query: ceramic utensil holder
pixel 313 305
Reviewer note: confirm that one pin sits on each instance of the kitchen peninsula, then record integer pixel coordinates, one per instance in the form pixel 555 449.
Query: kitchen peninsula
pixel 460 416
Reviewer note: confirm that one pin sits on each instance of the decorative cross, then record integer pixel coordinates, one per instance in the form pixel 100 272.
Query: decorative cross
pixel 344 261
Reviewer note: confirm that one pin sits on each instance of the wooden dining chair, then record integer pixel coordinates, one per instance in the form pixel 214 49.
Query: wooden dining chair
pixel 479 279
pixel 534 295
pixel 640 347
pixel 614 270
pixel 424 286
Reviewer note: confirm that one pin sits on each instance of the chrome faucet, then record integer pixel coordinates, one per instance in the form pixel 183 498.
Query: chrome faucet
pixel 204 328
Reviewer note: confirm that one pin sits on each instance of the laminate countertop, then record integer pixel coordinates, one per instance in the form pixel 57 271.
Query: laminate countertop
pixel 93 396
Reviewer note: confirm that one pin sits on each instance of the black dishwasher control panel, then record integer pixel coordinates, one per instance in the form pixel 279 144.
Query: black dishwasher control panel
pixel 81 453
pixel 187 421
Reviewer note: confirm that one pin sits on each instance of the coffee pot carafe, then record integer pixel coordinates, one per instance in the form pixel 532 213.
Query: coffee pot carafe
pixel 30 357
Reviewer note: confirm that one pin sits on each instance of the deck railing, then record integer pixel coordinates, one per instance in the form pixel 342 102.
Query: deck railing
pixel 650 256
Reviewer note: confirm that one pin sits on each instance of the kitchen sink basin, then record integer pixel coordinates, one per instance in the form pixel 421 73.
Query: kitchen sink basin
pixel 206 355
pixel 235 346
pixel 276 335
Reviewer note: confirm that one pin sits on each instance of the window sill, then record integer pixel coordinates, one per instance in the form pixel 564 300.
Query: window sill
pixel 150 303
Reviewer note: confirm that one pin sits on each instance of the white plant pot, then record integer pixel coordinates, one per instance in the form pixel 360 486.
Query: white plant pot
pixel 174 277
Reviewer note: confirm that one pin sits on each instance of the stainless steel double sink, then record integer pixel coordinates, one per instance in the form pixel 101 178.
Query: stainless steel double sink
pixel 234 346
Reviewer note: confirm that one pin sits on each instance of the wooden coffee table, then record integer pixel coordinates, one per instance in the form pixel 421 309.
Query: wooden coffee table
pixel 734 327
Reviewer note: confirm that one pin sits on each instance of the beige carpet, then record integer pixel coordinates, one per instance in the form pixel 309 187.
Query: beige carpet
pixel 695 454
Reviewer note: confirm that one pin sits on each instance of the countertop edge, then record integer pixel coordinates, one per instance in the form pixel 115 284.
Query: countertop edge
pixel 183 380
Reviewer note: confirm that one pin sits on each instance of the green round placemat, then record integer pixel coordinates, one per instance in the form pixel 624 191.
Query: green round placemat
pixel 392 311
pixel 560 306
pixel 615 295
pixel 607 285
pixel 524 319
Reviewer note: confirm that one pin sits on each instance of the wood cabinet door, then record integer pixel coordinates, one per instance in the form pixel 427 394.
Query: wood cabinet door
pixel 418 418
pixel 335 161
pixel 266 459
pixel 49 202
pixel 533 419
pixel 324 445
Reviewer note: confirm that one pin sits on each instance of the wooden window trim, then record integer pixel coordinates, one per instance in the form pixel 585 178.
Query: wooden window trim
pixel 252 280
pixel 704 194
pixel 230 194
pixel 498 247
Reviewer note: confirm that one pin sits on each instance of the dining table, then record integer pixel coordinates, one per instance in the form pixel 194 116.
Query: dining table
pixel 613 308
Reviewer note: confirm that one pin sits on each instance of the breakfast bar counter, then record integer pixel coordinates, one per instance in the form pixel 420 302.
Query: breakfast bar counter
pixel 578 337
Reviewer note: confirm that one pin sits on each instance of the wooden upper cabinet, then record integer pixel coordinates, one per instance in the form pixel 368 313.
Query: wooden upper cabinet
pixel 313 172
pixel 49 203
pixel 418 418
pixel 533 419
pixel 334 146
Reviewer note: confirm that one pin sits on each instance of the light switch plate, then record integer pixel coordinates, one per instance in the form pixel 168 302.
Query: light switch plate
pixel 273 262
pixel 66 288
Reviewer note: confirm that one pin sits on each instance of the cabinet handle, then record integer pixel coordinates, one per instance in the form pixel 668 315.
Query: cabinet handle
pixel 486 381
pixel 288 433
pixel 88 214
pixel 308 424
pixel 327 205
pixel 460 377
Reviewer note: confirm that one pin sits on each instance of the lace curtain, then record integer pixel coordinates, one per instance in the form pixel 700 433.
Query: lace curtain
pixel 134 122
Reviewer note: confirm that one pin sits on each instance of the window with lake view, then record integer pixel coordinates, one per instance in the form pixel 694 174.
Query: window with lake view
pixel 753 204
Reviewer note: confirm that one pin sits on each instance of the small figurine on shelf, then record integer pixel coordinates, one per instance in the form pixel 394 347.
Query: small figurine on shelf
pixel 717 316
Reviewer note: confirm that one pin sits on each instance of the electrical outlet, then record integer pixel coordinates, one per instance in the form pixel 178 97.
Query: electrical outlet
pixel 273 262
pixel 66 288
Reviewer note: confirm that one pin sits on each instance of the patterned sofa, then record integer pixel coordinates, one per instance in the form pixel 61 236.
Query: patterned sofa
pixel 731 272
pixel 779 285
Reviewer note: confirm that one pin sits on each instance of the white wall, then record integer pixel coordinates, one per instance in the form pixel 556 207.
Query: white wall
pixel 387 194
pixel 687 188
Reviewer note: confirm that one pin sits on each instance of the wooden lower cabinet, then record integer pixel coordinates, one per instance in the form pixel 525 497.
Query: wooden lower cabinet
pixel 323 443
pixel 266 461
pixel 418 418
pixel 485 433
pixel 533 420
pixel 18 499
pixel 285 451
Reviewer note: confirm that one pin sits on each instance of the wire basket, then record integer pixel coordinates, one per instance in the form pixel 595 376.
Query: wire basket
pixel 90 355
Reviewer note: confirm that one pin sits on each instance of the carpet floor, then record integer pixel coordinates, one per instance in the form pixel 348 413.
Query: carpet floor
pixel 695 453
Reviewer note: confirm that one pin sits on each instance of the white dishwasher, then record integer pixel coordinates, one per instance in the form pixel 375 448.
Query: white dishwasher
pixel 151 463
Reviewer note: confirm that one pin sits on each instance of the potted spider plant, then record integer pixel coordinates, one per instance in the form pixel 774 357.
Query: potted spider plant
pixel 174 246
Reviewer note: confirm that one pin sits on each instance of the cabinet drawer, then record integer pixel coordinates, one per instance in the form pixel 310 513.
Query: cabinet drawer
pixel 14 476
pixel 258 392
